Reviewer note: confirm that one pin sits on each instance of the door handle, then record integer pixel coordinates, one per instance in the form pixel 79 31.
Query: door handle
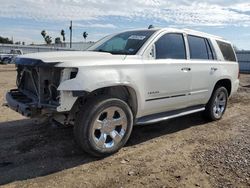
pixel 186 69
pixel 214 69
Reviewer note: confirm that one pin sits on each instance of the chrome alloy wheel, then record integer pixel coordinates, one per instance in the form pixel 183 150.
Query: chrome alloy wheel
pixel 109 127
pixel 219 104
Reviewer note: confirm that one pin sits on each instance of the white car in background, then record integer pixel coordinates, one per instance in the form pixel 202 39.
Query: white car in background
pixel 7 58
pixel 134 77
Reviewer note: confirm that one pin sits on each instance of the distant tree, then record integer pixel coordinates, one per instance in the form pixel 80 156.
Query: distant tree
pixel 85 35
pixel 58 40
pixel 5 40
pixel 48 40
pixel 18 43
pixel 63 34
pixel 43 33
pixel 23 43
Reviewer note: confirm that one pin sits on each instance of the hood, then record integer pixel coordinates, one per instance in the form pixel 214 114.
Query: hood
pixel 69 57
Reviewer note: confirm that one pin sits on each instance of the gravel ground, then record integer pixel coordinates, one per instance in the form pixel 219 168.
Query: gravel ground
pixel 182 152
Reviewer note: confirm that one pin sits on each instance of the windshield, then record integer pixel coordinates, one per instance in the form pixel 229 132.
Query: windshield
pixel 15 52
pixel 127 43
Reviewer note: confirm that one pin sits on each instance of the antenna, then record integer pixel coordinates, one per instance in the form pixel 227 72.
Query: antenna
pixel 151 26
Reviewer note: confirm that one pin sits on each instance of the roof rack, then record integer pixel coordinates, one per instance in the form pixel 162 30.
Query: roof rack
pixel 203 33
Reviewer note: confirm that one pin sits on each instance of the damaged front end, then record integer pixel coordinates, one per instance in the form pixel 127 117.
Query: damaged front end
pixel 37 82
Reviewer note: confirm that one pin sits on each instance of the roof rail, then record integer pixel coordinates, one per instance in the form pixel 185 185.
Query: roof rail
pixel 203 33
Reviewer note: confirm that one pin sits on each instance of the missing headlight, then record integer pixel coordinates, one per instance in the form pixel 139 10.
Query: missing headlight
pixel 73 74
pixel 68 73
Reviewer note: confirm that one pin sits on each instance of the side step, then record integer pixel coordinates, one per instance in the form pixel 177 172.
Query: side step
pixel 168 115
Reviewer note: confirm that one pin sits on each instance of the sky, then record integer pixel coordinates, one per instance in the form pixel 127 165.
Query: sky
pixel 25 19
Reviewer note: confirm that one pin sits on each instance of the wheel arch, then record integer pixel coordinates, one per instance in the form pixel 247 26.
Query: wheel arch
pixel 123 92
pixel 225 82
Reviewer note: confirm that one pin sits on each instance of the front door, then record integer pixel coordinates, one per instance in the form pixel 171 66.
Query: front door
pixel 168 76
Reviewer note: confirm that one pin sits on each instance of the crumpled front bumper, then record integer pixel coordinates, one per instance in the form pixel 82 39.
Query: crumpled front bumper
pixel 20 103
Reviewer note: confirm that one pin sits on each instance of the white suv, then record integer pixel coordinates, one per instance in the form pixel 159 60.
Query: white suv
pixel 134 77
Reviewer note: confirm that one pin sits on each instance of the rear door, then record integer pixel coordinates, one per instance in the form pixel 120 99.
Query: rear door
pixel 205 69
pixel 168 76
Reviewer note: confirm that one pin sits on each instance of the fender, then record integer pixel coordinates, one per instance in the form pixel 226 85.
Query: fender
pixel 91 78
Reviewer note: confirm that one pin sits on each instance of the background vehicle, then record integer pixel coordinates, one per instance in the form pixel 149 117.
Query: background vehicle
pixel 134 77
pixel 6 58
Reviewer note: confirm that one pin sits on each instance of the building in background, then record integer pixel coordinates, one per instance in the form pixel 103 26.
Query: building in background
pixel 79 45
pixel 6 48
pixel 75 45
pixel 244 61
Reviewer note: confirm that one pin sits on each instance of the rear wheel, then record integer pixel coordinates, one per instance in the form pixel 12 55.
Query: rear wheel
pixel 103 126
pixel 217 104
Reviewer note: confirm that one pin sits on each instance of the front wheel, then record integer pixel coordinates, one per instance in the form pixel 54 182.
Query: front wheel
pixel 217 104
pixel 103 126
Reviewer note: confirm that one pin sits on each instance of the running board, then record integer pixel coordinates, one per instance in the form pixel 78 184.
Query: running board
pixel 168 115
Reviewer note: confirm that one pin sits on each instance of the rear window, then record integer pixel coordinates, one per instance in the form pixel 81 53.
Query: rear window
pixel 200 48
pixel 227 51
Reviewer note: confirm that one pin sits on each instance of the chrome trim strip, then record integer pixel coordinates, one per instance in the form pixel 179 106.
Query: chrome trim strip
pixel 198 92
pixel 159 119
pixel 160 98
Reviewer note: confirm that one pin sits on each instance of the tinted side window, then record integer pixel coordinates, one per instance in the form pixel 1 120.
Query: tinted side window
pixel 212 49
pixel 227 51
pixel 209 50
pixel 171 46
pixel 199 48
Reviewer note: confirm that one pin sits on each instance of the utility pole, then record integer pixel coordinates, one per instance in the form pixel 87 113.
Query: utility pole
pixel 70 28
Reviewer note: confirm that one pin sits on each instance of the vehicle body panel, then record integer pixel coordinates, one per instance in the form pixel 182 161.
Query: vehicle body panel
pixel 160 85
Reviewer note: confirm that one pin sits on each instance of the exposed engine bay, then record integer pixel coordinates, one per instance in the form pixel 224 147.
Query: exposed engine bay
pixel 37 89
pixel 40 83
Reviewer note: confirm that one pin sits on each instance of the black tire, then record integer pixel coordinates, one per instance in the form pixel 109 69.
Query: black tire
pixel 85 122
pixel 211 107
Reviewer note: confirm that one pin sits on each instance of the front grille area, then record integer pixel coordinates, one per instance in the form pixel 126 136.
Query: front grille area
pixel 39 83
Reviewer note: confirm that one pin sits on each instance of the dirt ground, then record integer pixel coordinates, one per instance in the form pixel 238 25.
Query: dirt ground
pixel 183 152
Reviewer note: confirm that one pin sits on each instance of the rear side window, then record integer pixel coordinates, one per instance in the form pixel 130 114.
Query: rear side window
pixel 200 48
pixel 171 46
pixel 209 50
pixel 227 51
